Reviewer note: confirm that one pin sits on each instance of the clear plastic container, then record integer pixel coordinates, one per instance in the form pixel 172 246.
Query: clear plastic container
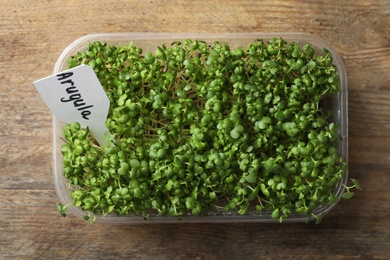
pixel 149 42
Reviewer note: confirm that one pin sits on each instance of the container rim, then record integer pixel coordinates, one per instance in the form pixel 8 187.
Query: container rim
pixel 80 43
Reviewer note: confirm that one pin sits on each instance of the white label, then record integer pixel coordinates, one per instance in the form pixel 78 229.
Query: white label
pixel 76 95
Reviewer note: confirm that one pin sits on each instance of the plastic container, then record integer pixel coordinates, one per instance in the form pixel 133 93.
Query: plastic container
pixel 148 42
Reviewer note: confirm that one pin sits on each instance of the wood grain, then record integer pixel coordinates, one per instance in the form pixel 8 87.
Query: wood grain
pixel 33 33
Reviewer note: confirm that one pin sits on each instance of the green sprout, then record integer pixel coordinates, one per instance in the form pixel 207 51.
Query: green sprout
pixel 62 209
pixel 348 193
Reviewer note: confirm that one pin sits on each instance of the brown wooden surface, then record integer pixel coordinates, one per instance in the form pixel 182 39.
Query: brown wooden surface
pixel 34 32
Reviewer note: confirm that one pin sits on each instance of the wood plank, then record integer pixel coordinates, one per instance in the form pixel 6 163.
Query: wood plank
pixel 33 34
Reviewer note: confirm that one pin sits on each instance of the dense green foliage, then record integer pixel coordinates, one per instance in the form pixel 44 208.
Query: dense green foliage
pixel 198 127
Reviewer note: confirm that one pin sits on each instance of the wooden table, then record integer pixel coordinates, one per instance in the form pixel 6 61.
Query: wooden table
pixel 33 33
